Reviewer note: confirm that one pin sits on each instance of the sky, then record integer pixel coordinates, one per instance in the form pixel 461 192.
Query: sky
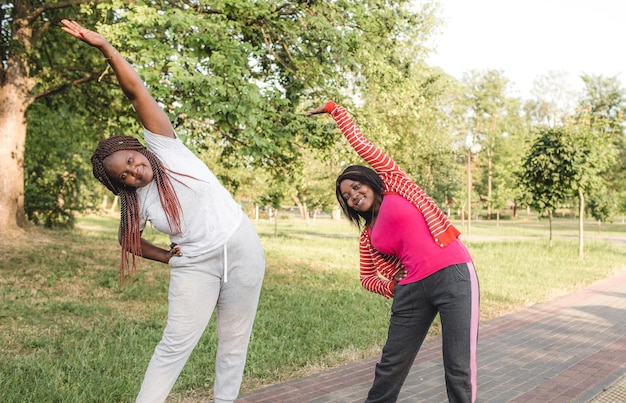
pixel 531 38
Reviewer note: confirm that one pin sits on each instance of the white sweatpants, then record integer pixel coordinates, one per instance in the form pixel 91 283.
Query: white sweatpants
pixel 228 278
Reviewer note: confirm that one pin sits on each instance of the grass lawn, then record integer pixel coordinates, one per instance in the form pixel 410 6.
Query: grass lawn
pixel 68 333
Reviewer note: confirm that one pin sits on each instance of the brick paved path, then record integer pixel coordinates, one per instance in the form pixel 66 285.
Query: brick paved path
pixel 565 350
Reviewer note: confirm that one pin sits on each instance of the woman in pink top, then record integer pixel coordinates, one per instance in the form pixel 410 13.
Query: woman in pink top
pixel 410 251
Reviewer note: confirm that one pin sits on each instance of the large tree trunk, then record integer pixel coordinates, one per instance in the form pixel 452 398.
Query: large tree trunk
pixel 13 135
pixel 14 99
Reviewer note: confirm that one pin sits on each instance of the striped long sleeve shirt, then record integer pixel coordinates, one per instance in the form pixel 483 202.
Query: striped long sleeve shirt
pixel 377 270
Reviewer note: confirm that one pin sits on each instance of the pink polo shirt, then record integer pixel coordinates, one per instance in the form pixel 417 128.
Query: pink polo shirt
pixel 400 230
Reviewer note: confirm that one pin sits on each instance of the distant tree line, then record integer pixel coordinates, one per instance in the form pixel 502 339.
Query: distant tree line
pixel 236 76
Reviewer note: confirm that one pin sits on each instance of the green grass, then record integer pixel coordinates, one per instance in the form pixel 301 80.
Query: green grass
pixel 68 333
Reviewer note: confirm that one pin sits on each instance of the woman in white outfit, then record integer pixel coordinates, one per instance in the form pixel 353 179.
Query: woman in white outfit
pixel 215 255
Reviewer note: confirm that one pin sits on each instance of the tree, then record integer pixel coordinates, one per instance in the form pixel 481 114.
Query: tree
pixel 233 74
pixel 604 101
pixel 33 88
pixel 602 205
pixel 597 131
pixel 491 113
pixel 593 155
pixel 547 172
pixel 566 160
pixel 57 168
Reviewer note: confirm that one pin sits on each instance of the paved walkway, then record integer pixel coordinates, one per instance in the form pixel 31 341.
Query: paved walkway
pixel 571 349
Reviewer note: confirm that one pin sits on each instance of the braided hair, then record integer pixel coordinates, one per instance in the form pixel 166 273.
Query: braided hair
pixel 129 233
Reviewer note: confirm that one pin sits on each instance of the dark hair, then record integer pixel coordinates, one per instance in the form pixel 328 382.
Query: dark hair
pixel 129 232
pixel 366 176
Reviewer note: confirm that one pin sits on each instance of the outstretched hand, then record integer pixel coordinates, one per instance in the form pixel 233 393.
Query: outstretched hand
pixel 149 112
pixel 77 31
pixel 316 111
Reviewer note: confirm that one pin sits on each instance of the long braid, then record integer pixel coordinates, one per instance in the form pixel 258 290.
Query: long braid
pixel 129 235
pixel 129 232
pixel 167 196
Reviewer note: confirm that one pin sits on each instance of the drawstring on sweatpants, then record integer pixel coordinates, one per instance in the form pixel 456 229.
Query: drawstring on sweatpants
pixel 225 263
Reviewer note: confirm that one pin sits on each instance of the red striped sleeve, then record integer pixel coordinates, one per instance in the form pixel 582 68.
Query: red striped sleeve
pixel 377 271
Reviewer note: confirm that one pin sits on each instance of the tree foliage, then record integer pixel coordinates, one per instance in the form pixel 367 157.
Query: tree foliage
pixel 603 110
pixel 548 170
pixel 233 75
pixel 493 121
pixel 409 121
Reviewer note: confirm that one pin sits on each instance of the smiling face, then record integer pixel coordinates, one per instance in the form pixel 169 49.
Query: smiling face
pixel 128 167
pixel 359 196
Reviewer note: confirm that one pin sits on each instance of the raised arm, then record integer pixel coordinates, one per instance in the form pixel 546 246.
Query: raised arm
pixel 150 114
pixel 375 157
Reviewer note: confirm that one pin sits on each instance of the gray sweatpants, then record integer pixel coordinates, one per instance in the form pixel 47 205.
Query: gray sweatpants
pixel 228 278
pixel 453 292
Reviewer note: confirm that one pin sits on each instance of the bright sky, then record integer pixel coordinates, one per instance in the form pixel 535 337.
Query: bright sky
pixel 528 38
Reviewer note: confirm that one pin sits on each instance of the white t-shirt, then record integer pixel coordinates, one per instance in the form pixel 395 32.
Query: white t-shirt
pixel 209 213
